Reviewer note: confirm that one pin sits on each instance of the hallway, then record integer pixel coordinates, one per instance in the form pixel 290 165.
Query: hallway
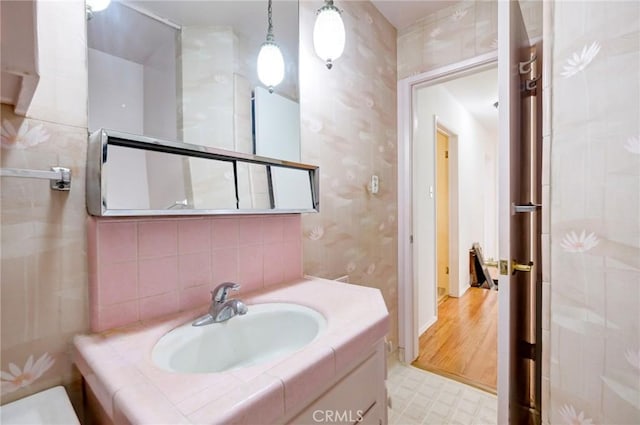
pixel 462 344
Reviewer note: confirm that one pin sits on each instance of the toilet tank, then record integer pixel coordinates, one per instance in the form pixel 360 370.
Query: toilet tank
pixel 47 407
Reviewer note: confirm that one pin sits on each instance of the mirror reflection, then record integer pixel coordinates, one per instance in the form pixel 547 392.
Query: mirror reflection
pixel 186 71
pixel 131 175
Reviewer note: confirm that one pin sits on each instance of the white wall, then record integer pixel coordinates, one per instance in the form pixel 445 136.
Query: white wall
pixel 475 151
pixel 166 172
pixel 126 175
pixel 116 93
pixel 278 136
pixel 160 85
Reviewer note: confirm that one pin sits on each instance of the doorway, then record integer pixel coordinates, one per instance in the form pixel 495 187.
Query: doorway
pixel 455 137
pixel 442 213
pixel 519 340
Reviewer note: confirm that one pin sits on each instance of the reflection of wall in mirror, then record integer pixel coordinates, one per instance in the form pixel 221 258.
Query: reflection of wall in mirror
pixel 216 112
pixel 133 89
pixel 132 183
pixel 127 73
pixel 277 127
pixel 195 86
pixel 127 182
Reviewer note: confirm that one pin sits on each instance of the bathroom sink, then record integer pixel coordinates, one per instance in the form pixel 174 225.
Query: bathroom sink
pixel 267 332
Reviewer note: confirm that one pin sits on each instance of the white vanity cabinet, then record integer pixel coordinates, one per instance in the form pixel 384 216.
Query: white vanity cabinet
pixel 356 397
pixel 338 378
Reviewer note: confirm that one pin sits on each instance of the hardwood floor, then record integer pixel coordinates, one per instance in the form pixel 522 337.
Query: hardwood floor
pixel 463 343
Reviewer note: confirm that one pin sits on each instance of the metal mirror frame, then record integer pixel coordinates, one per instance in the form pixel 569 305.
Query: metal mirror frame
pixel 96 184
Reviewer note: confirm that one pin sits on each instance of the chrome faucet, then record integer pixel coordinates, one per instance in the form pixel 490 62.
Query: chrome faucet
pixel 221 308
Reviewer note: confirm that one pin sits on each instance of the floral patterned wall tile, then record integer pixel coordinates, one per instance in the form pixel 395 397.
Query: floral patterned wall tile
pixel 349 130
pixel 44 267
pixel 461 31
pixel 595 213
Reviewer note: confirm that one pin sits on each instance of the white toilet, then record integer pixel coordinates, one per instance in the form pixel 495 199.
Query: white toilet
pixel 44 408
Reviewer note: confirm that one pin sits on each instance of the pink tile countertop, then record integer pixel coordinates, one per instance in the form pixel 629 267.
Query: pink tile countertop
pixel 117 363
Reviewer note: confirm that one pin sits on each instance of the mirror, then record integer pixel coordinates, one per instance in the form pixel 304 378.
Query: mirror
pixel 132 175
pixel 186 71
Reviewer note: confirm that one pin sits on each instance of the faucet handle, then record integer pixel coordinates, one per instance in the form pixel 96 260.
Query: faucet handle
pixel 222 291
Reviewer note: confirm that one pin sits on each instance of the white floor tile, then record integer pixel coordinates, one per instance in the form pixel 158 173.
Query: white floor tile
pixel 420 397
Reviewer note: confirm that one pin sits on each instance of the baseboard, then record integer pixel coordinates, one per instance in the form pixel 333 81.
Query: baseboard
pixel 427 325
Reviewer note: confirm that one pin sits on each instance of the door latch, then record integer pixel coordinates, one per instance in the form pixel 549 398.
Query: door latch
pixel 504 267
pixel 517 267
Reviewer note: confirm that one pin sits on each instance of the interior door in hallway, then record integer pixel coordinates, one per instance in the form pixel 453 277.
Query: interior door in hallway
pixel 518 306
pixel 442 212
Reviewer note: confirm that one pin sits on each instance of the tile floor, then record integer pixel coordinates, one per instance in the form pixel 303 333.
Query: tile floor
pixel 419 397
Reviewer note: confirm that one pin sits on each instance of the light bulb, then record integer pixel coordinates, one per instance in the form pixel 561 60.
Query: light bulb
pixel 98 5
pixel 329 34
pixel 270 65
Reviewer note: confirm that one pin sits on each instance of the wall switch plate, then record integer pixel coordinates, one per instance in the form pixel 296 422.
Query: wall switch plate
pixel 374 184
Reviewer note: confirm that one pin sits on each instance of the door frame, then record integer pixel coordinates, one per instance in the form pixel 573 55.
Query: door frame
pixel 453 236
pixel 407 286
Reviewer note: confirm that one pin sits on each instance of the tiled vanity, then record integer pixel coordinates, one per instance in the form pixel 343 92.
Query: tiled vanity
pixel 338 377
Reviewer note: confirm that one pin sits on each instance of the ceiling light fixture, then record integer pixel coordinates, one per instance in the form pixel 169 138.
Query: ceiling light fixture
pixel 329 33
pixel 270 61
pixel 93 6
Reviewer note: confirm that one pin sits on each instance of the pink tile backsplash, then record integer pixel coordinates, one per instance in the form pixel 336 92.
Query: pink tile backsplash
pixel 126 289
pixel 105 317
pixel 273 270
pixel 291 228
pixel 148 267
pixel 272 230
pixel 224 264
pixel 194 236
pixel 158 305
pixel 157 238
pixel 224 232
pixel 194 269
pixel 250 267
pixel 192 297
pixel 119 242
pixel 157 275
pixel 251 231
pixel 292 260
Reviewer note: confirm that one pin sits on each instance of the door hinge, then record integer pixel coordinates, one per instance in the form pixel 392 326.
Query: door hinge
pixel 410 238
pixel 446 270
pixel 527 350
pixel 446 154
pixel 525 208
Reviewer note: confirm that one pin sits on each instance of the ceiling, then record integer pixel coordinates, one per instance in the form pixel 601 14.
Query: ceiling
pixel 137 36
pixel 402 13
pixel 477 93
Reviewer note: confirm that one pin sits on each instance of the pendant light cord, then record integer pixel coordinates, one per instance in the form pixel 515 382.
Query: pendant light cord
pixel 270 29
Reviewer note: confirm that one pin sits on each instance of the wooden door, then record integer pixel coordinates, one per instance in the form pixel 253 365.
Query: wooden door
pixel 442 212
pixel 518 311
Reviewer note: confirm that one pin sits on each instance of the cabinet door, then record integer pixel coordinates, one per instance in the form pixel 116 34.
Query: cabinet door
pixel 374 416
pixel 348 401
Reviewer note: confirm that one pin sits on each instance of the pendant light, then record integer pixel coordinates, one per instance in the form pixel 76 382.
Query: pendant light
pixel 270 61
pixel 93 6
pixel 328 33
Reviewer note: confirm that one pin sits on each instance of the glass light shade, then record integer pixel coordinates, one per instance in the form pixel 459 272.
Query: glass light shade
pixel 270 65
pixel 329 34
pixel 98 5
